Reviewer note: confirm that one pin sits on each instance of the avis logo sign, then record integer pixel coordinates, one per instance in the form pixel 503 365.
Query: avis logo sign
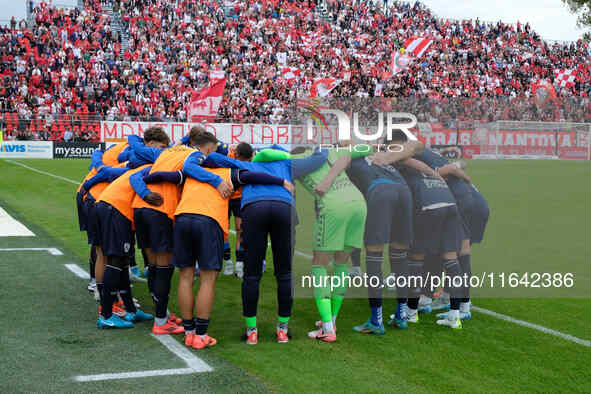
pixel 13 148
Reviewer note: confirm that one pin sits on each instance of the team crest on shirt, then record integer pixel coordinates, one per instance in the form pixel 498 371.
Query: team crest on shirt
pixel 126 247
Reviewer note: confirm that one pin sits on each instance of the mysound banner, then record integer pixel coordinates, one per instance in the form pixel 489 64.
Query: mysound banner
pixel 26 150
pixel 76 150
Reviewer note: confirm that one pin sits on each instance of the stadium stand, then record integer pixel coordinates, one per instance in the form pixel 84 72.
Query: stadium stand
pixel 144 59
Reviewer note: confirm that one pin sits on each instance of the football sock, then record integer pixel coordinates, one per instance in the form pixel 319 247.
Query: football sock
pixel 356 257
pixel 400 307
pixel 99 288
pixel 399 266
pixel 189 326
pixel 452 269
pixel 151 275
pixel 374 262
pixel 201 326
pixel 92 261
pixel 322 293
pixel 376 315
pixel 240 254
pixel 466 266
pixel 227 251
pixel 162 280
pixel 132 262
pixel 283 322
pixel 110 286
pixel 251 322
pixel 338 293
pixel 125 290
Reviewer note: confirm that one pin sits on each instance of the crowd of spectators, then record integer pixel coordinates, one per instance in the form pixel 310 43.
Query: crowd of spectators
pixel 70 64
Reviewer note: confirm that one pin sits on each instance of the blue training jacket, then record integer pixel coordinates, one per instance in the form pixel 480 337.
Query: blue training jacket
pixel 286 169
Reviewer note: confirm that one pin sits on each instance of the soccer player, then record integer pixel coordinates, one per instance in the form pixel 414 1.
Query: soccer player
pixel 242 152
pixel 83 204
pixel 389 222
pixel 473 208
pixel 154 224
pixel 114 230
pixel 113 156
pixel 338 229
pixel 268 210
pixel 437 231
pixel 201 220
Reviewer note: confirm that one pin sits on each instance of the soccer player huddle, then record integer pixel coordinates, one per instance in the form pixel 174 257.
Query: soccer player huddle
pixel 177 201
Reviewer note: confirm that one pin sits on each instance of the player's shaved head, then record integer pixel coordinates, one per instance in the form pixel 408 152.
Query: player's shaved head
pixel 244 151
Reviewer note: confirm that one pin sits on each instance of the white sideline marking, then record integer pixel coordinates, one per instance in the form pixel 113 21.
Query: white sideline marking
pixel 533 326
pixel 79 272
pixel 194 364
pixel 43 172
pixel 510 319
pixel 53 251
pixel 10 227
pixel 131 375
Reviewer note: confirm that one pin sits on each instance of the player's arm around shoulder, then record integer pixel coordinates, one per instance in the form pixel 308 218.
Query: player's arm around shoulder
pixel 405 151
pixel 339 166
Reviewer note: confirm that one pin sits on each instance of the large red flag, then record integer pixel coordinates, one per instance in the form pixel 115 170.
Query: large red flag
pixel 323 86
pixel 205 103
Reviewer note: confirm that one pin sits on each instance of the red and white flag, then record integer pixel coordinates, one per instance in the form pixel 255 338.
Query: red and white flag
pixel 379 92
pixel 206 102
pixel 400 62
pixel 543 91
pixel 417 45
pixel 290 73
pixel 565 78
pixel 215 76
pixel 323 86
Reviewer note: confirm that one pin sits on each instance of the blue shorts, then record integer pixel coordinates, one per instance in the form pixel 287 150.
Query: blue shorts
pixel 389 215
pixel 82 206
pixel 197 238
pixel 438 231
pixel 474 211
pixel 153 230
pixel 234 207
pixel 114 231
pixel 92 226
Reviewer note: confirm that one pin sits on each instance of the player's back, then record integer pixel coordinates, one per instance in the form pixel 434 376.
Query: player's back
pixel 342 189
pixel 364 174
pixel 435 160
pixel 203 199
pixel 255 192
pixel 120 194
pixel 171 159
pixel 428 192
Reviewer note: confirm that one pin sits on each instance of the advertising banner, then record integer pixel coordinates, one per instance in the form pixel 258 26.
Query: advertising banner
pixel 76 150
pixel 26 150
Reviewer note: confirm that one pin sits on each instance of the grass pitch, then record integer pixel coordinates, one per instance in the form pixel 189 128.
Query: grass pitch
pixel 538 223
